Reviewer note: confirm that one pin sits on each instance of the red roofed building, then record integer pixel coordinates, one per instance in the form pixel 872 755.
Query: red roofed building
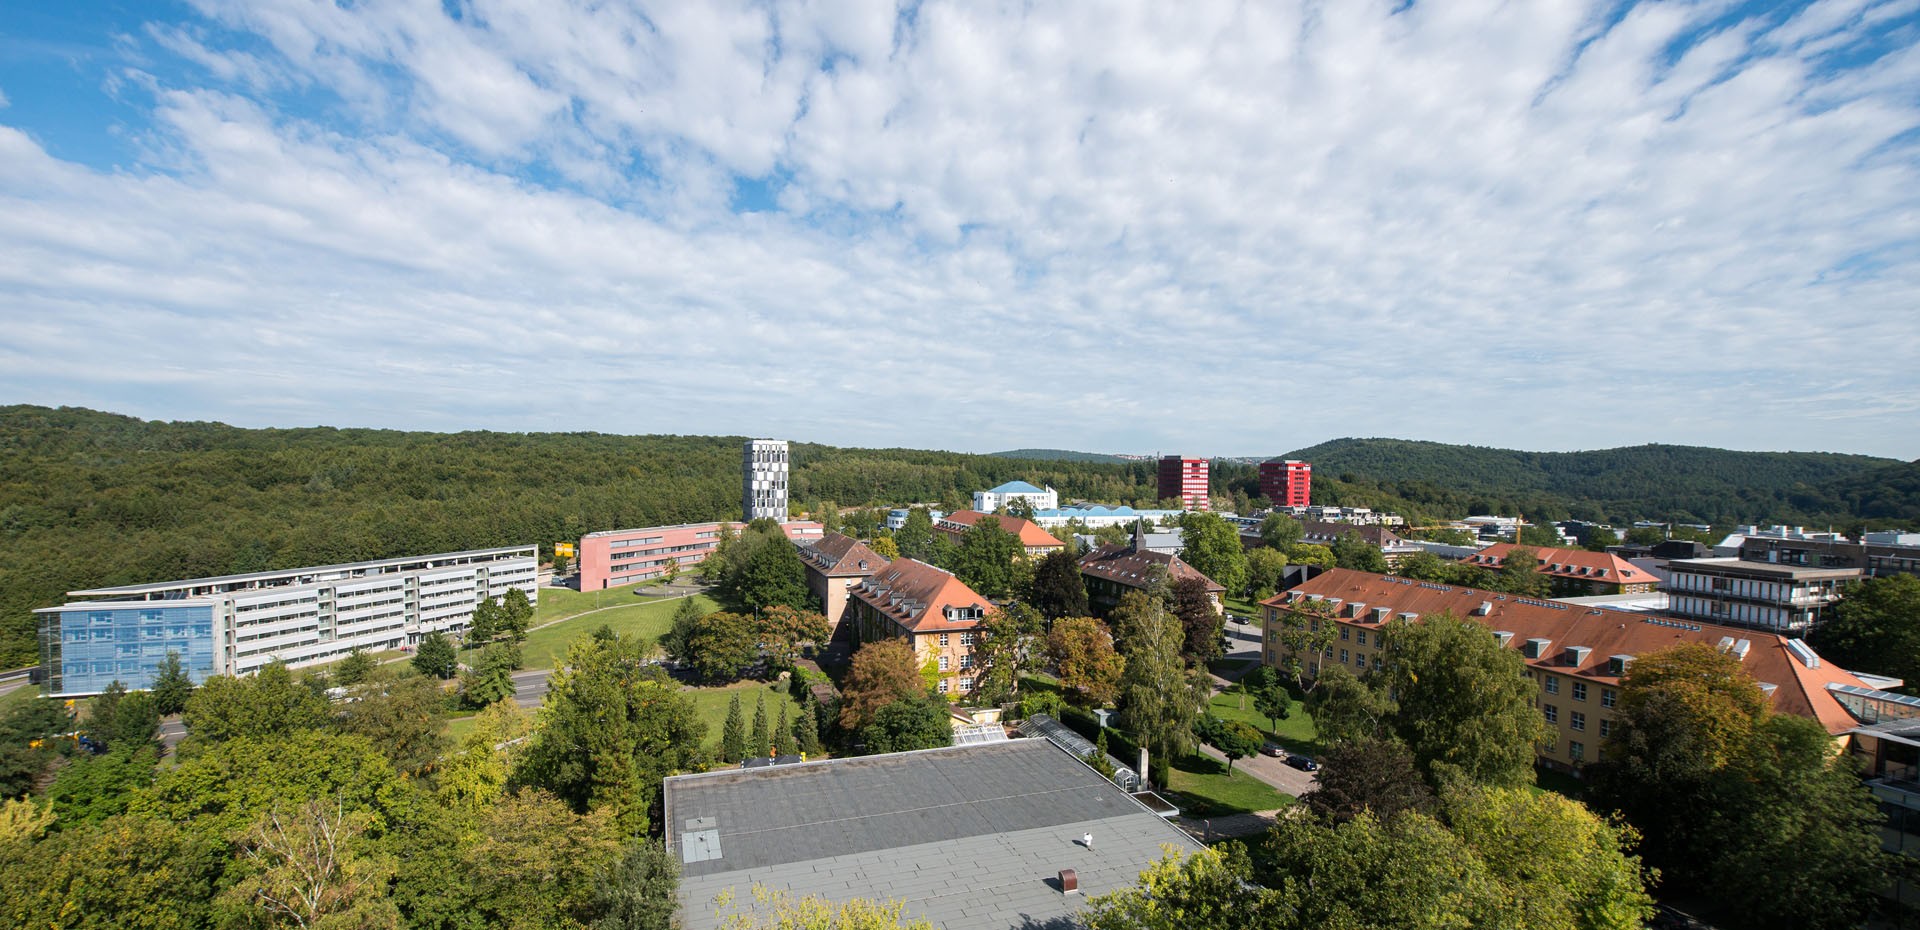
pixel 1034 540
pixel 833 564
pixel 934 613
pixel 1575 654
pixel 1576 571
pixel 1111 571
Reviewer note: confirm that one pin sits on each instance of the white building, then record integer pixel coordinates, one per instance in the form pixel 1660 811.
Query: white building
pixel 992 501
pixel 764 468
pixel 1778 598
pixel 897 517
pixel 236 624
pixel 1095 516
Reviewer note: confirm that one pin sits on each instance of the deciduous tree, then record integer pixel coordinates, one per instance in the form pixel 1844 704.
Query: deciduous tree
pixel 1058 588
pixel 268 703
pixel 405 717
pixel 1159 697
pixel 915 536
pixel 1463 700
pixel 1366 774
pixel 1875 628
pixel 985 557
pixel 1266 569
pixel 1200 622
pixel 171 685
pixel 1212 546
pixel 909 723
pixel 882 672
pixel 1081 650
pixel 1279 531
pixel 1007 644
pixel 434 655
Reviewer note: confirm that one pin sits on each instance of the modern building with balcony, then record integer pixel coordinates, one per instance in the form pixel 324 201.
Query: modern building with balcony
pixel 237 624
pixel 1784 599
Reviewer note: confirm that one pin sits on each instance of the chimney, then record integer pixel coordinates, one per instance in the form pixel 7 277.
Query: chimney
pixel 1145 779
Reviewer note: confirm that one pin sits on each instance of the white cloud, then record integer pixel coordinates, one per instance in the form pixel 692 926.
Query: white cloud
pixel 1212 227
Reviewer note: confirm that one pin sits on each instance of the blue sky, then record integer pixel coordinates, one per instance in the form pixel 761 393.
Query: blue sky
pixel 1210 228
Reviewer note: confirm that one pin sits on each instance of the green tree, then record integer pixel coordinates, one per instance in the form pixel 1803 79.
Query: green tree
pixel 491 679
pixel 722 647
pixel 1234 739
pixel 28 746
pixel 1351 550
pixel 561 566
pixel 1280 532
pixel 1408 871
pixel 915 722
pixel 405 717
pixel 1266 569
pixel 1209 889
pixel 171 686
pixel 1302 630
pixel 1367 775
pixel 221 792
pixel 1058 588
pixel 612 727
pixel 1309 554
pixel 806 731
pixel 1557 863
pixel 686 622
pixel 1081 651
pixel 357 667
pixel 1344 707
pixel 92 788
pixel 1270 696
pixel 1159 699
pixel 434 656
pixel 1008 641
pixel 984 560
pixel 783 744
pixel 758 740
pixel 472 778
pixel 915 537
pixel 1520 574
pixel 1212 546
pixel 783 910
pixel 733 734
pixel 786 633
pixel 882 672
pixel 884 547
pixel 127 873
pixel 489 620
pixel 1463 700
pixel 637 892
pixel 310 865
pixel 1424 566
pixel 516 614
pixel 1875 628
pixel 536 863
pixel 267 704
pixel 1200 622
pixel 767 571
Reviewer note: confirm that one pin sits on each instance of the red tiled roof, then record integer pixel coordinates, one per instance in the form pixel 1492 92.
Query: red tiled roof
pixel 1122 564
pixel 1800 689
pixel 838 556
pixel 918 596
pixel 1578 564
pixel 1030 534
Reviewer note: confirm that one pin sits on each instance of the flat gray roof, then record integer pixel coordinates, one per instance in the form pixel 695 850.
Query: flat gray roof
pixel 1766 569
pixel 312 570
pixel 967 836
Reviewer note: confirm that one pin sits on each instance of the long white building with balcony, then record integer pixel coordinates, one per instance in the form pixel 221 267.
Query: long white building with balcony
pixel 1785 599
pixel 236 624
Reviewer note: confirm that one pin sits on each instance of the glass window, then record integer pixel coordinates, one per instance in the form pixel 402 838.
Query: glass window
pixel 1576 751
pixel 943 663
pixel 1606 697
pixel 1606 728
pixel 1577 720
pixel 1343 657
pixel 1360 638
pixel 943 639
pixel 1552 712
pixel 1579 690
pixel 1553 683
pixel 1343 632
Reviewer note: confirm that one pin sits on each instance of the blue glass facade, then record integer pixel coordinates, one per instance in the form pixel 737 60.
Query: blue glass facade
pixel 87 649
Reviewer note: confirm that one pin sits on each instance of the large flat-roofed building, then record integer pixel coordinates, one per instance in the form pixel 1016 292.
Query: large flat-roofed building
pixel 1287 483
pixel 764 469
pixel 1186 480
pixel 236 624
pixel 1876 554
pixel 1576 655
pixel 966 838
pixel 1095 516
pixel 611 558
pixel 1781 598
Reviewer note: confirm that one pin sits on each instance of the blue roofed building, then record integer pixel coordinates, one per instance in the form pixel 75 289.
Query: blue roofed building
pixel 992 501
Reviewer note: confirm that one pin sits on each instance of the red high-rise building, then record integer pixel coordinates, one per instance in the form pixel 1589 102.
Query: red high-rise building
pixel 1185 479
pixel 1288 483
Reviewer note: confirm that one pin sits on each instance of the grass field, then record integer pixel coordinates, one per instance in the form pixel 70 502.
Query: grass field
pixel 1295 732
pixel 1238 606
pixel 459 727
pixel 647 620
pixel 1205 779
pixel 710 705
pixel 557 603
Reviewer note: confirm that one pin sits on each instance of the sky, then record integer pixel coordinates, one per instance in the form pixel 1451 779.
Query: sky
pixel 1120 226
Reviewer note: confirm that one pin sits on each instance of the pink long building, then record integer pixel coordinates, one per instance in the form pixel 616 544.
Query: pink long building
pixel 616 557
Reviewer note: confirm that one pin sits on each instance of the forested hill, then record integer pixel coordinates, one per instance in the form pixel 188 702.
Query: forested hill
pixel 1686 483
pixel 90 498
pixel 1058 455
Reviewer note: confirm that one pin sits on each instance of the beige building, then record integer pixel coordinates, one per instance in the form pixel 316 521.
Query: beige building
pixel 834 564
pixel 927 608
pixel 1576 655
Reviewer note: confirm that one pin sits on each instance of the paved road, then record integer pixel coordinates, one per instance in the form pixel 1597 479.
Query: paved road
pixel 530 686
pixel 172 731
pixel 8 687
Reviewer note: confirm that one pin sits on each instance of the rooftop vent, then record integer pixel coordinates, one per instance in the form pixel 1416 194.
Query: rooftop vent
pixel 1740 648
pixel 1536 647
pixel 1485 608
pixel 1804 653
pixel 1617 665
pixel 1769 687
pixel 1576 656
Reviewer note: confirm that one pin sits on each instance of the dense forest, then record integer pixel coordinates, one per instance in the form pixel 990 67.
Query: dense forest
pixel 1058 455
pixel 90 498
pixel 1679 483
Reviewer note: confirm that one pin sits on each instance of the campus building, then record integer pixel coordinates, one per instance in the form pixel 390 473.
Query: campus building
pixel 1040 498
pixel 1288 483
pixel 1034 541
pixel 930 610
pixel 1576 572
pixel 1095 516
pixel 1576 655
pixel 968 837
pixel 763 470
pixel 1112 571
pixel 834 564
pixel 1185 479
pixel 1781 598
pixel 611 558
pixel 236 624
pixel 1876 554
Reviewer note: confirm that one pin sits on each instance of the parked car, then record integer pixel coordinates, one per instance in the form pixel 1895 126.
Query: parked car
pixel 1303 763
pixel 1274 751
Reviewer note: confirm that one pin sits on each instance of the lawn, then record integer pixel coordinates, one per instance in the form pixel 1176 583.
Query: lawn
pixel 1205 779
pixel 1295 732
pixel 18 697
pixel 648 620
pixel 710 705
pixel 1238 606
pixel 557 603
pixel 459 727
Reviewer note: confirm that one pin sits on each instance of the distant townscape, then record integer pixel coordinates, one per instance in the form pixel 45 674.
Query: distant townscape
pixel 1073 692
